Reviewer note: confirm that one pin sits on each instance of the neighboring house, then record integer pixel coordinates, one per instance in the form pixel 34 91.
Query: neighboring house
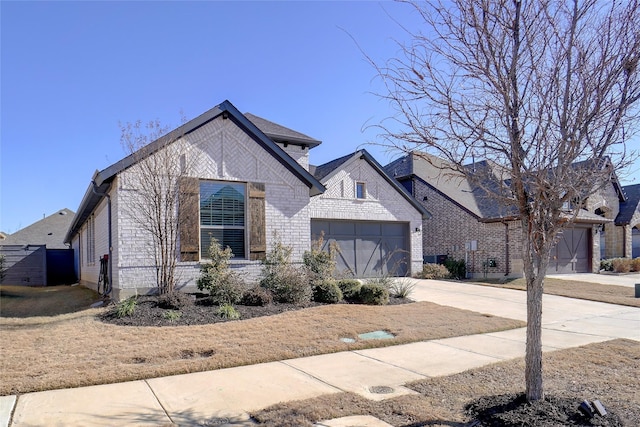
pixel 623 240
pixel 36 255
pixel 467 225
pixel 255 174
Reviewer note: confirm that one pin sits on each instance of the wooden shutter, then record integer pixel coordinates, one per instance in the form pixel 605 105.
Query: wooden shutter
pixel 257 222
pixel 189 218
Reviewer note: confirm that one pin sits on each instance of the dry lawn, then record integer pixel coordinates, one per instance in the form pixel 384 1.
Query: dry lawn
pixel 42 353
pixel 605 371
pixel 622 295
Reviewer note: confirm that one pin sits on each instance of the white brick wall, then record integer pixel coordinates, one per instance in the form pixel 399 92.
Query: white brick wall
pixel 382 203
pixel 219 151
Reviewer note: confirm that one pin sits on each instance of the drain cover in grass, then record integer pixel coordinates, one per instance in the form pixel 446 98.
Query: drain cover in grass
pixel 376 335
pixel 347 340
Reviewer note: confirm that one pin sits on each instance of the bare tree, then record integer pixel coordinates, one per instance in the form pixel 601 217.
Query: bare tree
pixel 159 163
pixel 546 91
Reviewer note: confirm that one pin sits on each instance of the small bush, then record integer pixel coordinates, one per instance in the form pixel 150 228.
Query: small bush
pixel 434 271
pixel 174 300
pixel 172 315
pixel 2 269
pixel 606 265
pixel 350 289
pixel 402 287
pixel 327 291
pixel 286 283
pixel 320 263
pixel 126 307
pixel 216 277
pixel 226 311
pixel 457 268
pixel 374 294
pixel 256 296
pixel 635 264
pixel 621 265
pixel 384 281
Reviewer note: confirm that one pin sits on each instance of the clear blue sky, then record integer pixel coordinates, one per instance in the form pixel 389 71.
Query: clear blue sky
pixel 72 71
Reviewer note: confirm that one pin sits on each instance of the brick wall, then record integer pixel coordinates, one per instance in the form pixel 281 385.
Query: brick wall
pixel 217 151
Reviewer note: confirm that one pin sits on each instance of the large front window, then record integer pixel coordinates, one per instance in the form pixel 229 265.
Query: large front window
pixel 222 216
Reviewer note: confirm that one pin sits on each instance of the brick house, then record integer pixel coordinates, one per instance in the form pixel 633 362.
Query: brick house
pixel 247 183
pixel 465 225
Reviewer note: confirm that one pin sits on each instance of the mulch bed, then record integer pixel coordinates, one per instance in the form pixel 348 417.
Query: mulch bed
pixel 196 309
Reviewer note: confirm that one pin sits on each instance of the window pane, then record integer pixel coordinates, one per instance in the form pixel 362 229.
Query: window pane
pixel 222 204
pixel 233 238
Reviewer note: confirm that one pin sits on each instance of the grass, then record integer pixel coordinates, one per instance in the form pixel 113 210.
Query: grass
pixel 577 373
pixel 621 295
pixel 25 301
pixel 76 349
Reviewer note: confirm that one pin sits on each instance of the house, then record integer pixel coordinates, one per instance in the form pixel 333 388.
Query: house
pixel 37 256
pixel 623 239
pixel 247 181
pixel 467 225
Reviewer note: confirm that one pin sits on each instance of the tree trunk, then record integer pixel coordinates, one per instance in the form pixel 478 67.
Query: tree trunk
pixel 533 357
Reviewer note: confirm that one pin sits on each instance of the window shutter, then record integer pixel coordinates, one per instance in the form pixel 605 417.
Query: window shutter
pixel 188 217
pixel 257 221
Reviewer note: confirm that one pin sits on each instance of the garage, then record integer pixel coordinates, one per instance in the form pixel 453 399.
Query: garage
pixel 366 248
pixel 572 254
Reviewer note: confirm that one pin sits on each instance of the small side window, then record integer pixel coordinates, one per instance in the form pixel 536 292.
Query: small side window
pixel 361 190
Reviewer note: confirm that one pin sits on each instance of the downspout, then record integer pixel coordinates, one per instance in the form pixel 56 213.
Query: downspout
pixel 506 249
pixel 106 194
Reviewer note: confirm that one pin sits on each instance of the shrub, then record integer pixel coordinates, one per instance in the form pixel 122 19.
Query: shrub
pixel 435 271
pixel 285 282
pixel 226 311
pixel 216 277
pixel 384 281
pixel 174 300
pixel 621 265
pixel 320 264
pixel 606 265
pixel 457 268
pixel 635 264
pixel 327 291
pixel 256 296
pixel 374 294
pixel 350 289
pixel 126 307
pixel 402 287
pixel 172 315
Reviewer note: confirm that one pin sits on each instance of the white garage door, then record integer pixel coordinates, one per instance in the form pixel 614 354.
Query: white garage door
pixel 367 248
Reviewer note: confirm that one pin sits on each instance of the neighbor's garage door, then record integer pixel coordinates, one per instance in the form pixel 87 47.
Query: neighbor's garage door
pixel 572 253
pixel 367 248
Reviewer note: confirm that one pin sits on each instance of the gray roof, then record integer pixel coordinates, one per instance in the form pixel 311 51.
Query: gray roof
pixel 628 207
pixel 101 181
pixel 323 171
pixel 48 231
pixel 279 133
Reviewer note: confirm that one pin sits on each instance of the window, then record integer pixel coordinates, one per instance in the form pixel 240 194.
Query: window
pixel 222 216
pixel 361 191
pixel 91 240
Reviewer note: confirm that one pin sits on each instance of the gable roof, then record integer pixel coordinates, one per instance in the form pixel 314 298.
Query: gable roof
pixel 48 231
pixel 101 180
pixel 630 205
pixel 325 171
pixel 281 134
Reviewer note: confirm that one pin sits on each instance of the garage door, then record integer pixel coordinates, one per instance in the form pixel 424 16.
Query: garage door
pixel 366 248
pixel 572 254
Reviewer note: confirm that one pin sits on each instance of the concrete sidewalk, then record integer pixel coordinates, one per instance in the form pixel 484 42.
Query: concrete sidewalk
pixel 227 396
